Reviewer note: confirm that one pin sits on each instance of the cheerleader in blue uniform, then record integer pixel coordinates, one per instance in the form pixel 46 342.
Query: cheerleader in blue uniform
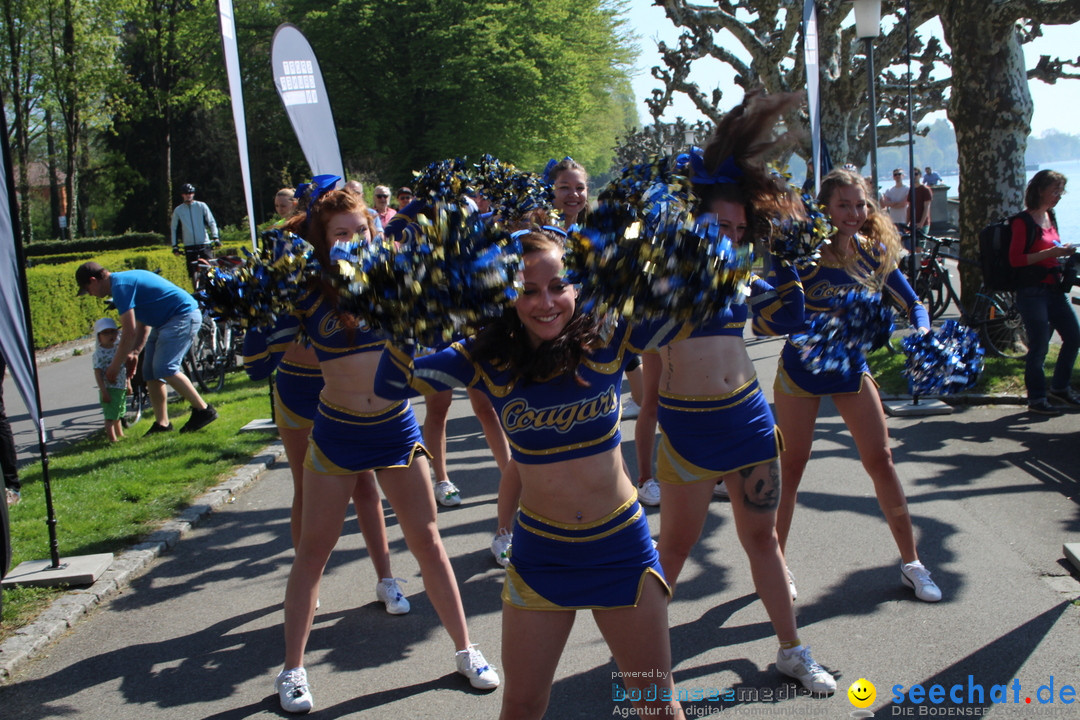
pixel 581 539
pixel 297 387
pixel 862 254
pixel 715 420
pixel 356 431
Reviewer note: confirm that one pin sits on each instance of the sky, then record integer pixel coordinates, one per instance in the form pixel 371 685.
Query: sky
pixel 1056 106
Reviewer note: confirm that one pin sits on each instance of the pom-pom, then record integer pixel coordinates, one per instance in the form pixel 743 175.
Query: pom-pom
pixel 265 287
pixel 838 340
pixel 643 253
pixel 795 240
pixel 441 278
pixel 943 361
pixel 511 192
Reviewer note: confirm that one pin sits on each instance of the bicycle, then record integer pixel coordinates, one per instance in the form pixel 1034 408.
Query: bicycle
pixel 217 344
pixel 993 315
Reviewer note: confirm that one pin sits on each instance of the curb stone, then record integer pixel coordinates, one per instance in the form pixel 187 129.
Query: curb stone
pixel 964 399
pixel 66 610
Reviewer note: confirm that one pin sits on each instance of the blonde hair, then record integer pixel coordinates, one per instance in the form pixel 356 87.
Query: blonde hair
pixel 878 236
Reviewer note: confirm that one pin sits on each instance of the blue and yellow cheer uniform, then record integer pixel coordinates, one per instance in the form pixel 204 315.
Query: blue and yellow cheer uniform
pixel 343 441
pixel 601 564
pixel 703 437
pixel 822 283
pixel 296 385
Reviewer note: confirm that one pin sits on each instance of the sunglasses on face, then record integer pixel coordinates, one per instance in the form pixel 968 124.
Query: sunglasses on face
pixel 382 197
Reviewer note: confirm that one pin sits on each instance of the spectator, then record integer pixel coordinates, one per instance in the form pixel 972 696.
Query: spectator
pixel 355 186
pixel 12 486
pixel 113 394
pixel 193 219
pixel 924 197
pixel 382 204
pixel 404 197
pixel 161 318
pixel 285 203
pixel 1042 298
pixel 931 178
pixel 895 199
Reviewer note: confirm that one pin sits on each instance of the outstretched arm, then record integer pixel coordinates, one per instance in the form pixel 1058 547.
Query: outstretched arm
pixel 779 306
pixel 400 375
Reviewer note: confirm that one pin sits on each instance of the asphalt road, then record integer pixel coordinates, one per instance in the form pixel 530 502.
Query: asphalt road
pixel 993 492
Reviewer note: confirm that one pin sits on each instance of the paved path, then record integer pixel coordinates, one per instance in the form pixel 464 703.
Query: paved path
pixel 993 492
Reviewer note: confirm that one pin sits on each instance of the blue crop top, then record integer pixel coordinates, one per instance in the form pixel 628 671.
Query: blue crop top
pixel 545 422
pixel 322 328
pixel 822 283
pixel 777 309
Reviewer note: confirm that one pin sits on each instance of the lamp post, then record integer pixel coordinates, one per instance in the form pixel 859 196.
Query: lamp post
pixel 868 27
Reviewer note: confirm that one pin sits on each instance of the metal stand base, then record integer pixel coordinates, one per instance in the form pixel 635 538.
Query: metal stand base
pixel 78 570
pixel 1072 554
pixel 917 407
pixel 261 424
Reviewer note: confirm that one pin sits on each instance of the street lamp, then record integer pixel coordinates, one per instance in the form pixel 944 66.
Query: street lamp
pixel 868 27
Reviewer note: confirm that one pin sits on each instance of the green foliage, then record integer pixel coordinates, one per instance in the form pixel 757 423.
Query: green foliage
pixel 59 316
pixel 107 496
pixel 94 245
pixel 524 81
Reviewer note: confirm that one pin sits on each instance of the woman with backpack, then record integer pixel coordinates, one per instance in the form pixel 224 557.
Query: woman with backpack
pixel 1042 298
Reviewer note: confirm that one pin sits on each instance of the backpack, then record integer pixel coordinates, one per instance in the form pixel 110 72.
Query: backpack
pixel 994 240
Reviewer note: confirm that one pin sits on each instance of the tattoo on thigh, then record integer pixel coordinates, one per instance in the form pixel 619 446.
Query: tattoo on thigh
pixel 762 493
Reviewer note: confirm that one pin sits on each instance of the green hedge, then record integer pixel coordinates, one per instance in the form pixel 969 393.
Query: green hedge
pixel 59 316
pixel 94 246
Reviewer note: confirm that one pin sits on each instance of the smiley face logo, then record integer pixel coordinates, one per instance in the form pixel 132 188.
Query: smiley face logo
pixel 862 693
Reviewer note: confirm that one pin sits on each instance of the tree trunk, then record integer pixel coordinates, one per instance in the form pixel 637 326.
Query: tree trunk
pixel 55 209
pixel 991 110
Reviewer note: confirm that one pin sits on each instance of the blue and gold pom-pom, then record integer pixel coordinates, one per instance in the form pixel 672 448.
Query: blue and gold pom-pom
pixel 266 286
pixel 440 278
pixel 795 240
pixel 511 192
pixel 943 361
pixel 837 340
pixel 644 253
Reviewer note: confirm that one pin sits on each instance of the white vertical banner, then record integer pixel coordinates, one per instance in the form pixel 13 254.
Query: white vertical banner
pixel 813 86
pixel 15 333
pixel 300 85
pixel 236 92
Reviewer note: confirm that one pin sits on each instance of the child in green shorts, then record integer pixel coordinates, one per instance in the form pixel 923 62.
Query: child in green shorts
pixel 113 397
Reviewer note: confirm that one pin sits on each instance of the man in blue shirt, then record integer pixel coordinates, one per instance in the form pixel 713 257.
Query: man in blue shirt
pixel 160 318
pixel 193 219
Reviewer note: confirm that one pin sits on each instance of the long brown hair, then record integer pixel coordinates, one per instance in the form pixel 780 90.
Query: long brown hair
pixel 745 134
pixel 878 236
pixel 505 342
pixel 311 226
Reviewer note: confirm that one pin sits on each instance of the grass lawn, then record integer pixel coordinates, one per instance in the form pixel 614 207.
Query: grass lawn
pixel 106 497
pixel 1001 376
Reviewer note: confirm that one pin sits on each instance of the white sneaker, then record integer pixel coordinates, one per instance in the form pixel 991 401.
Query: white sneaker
pixel 471 664
pixel 649 493
pixel 917 577
pixel 798 664
pixel 293 690
pixel 791 585
pixel 390 594
pixel 447 494
pixel 500 547
pixel 630 409
pixel 720 490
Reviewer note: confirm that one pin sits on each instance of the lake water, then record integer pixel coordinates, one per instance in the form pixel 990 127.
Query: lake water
pixel 1068 208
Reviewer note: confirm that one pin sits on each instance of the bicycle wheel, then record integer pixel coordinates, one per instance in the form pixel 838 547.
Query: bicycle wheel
pixel 136 402
pixel 222 347
pixel 930 289
pixel 199 362
pixel 1001 327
